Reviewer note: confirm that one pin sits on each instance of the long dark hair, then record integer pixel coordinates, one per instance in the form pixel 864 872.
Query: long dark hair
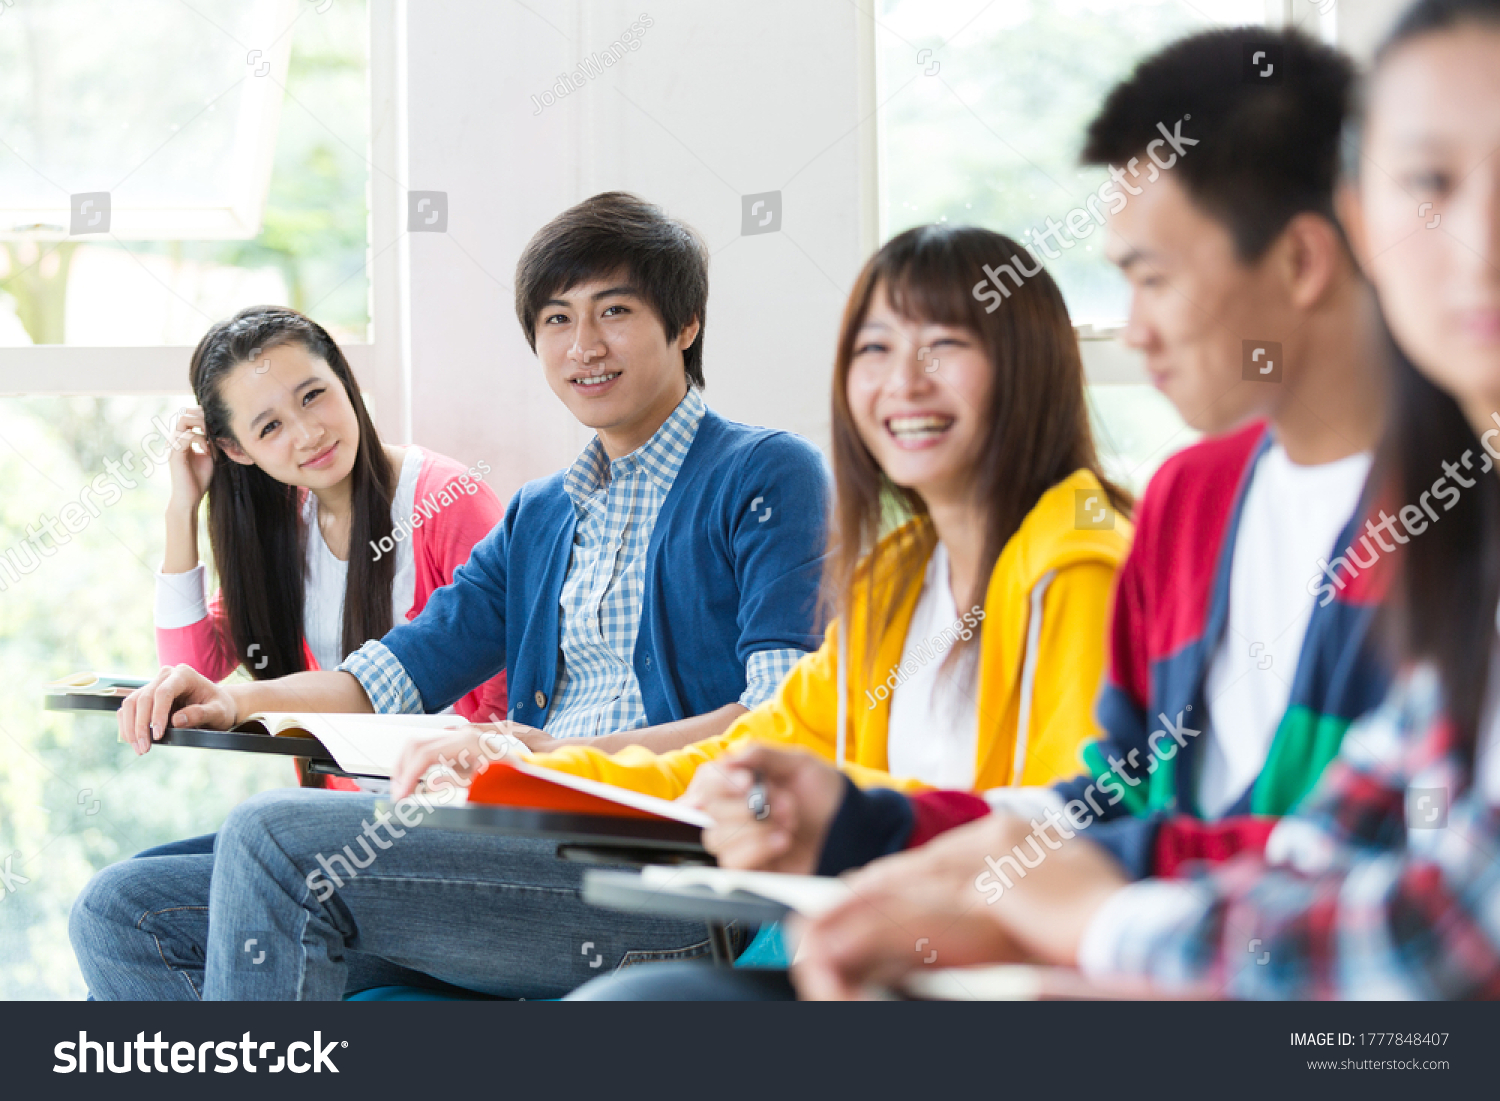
pixel 254 522
pixel 1037 422
pixel 1447 580
pixel 1447 585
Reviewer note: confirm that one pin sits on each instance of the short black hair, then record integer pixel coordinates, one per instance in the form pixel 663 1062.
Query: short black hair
pixel 1267 151
pixel 665 259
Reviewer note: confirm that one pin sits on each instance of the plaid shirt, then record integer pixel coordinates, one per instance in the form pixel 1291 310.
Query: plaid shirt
pixel 1384 884
pixel 617 503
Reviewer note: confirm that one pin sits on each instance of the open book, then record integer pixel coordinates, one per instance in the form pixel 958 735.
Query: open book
pixel 1021 982
pixel 516 783
pixel 363 745
pixel 809 895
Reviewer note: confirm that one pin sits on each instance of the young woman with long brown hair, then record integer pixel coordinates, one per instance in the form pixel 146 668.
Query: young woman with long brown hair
pixel 323 537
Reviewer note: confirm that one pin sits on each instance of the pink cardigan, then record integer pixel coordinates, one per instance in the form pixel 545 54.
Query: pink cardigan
pixel 440 544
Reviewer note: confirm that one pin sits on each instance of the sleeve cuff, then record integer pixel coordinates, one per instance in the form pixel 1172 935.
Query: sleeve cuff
pixel 179 599
pixel 384 679
pixel 764 672
pixel 1131 841
pixel 869 824
pixel 936 812
pixel 1032 802
pixel 1137 925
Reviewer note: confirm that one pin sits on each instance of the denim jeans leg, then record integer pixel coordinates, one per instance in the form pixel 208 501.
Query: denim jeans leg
pixel 139 929
pixel 310 876
pixel 190 846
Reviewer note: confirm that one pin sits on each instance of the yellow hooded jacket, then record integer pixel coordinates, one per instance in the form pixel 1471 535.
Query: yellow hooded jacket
pixel 1045 667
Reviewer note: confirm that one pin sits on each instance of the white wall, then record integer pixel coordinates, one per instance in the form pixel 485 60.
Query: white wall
pixel 721 99
pixel 1363 23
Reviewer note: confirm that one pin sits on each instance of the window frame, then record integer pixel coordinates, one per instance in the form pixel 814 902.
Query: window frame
pixel 380 363
pixel 1106 361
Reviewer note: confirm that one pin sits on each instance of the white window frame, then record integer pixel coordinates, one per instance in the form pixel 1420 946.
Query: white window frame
pixel 381 363
pixel 237 216
pixel 1105 360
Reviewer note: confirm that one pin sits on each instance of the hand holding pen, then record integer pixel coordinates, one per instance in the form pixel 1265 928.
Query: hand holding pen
pixel 771 808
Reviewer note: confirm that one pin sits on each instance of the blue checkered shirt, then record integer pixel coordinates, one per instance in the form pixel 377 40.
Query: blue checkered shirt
pixel 617 504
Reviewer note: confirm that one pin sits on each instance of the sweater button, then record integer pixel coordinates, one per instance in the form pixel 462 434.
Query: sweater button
pixel 648 661
pixel 540 697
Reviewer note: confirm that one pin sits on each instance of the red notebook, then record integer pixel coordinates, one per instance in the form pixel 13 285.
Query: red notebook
pixel 521 784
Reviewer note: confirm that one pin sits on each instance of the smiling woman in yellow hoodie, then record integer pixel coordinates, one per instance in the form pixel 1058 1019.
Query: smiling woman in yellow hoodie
pixel 966 646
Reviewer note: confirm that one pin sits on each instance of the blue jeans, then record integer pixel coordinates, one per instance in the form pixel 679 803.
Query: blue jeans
pixel 190 846
pixel 689 982
pixel 296 903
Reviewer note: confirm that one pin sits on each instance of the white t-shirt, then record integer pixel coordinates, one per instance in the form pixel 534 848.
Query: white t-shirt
pixel 180 600
pixel 933 729
pixel 1292 514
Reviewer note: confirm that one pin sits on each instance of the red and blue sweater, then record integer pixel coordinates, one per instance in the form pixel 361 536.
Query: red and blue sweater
pixel 1171 607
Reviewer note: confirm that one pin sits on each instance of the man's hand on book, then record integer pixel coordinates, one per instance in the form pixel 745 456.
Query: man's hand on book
pixel 459 754
pixel 771 808
pixel 533 739
pixel 177 696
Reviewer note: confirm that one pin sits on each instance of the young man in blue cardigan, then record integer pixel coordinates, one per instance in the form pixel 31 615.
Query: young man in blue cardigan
pixel 648 595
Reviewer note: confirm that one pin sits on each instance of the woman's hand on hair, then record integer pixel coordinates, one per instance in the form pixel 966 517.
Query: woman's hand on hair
pixel 177 696
pixel 191 462
pixel 779 828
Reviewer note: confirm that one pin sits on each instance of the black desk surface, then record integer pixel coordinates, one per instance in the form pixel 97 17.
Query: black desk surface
pixel 658 841
pixel 615 890
pixel 239 741
pixel 54 700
